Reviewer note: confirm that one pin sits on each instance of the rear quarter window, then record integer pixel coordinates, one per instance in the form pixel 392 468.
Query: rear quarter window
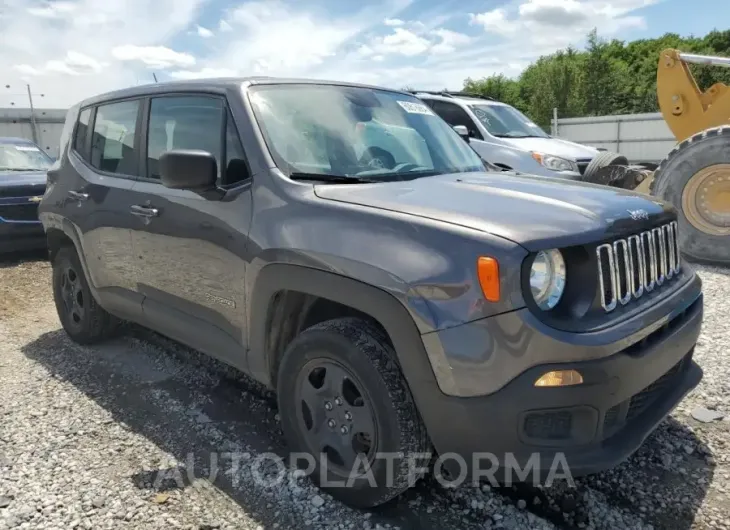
pixel 113 142
pixel 81 135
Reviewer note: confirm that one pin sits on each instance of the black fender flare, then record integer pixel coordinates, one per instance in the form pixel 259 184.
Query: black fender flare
pixel 374 301
pixel 67 228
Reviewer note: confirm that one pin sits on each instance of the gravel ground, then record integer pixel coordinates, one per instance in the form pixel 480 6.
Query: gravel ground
pixel 144 433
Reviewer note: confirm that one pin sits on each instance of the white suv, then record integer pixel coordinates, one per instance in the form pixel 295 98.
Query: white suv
pixel 504 136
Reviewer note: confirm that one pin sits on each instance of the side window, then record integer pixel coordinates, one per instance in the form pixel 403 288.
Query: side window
pixel 112 147
pixel 236 169
pixel 184 122
pixel 82 133
pixel 455 115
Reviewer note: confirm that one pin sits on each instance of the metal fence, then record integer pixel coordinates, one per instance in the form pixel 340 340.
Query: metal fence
pixel 639 137
pixel 43 126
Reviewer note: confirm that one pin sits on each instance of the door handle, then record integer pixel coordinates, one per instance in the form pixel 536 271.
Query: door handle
pixel 78 196
pixel 144 211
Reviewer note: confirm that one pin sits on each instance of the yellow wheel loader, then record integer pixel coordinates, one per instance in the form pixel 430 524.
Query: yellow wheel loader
pixel 695 175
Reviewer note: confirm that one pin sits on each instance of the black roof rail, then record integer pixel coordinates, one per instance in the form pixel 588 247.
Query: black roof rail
pixel 450 94
pixel 471 95
pixel 432 92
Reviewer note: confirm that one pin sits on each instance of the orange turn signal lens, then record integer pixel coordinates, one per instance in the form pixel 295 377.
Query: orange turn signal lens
pixel 488 272
pixel 560 378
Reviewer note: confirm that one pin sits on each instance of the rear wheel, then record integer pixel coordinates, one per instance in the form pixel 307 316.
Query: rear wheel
pixel 695 178
pixel 343 400
pixel 81 316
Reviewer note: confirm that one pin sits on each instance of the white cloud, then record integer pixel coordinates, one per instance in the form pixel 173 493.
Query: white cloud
pixel 74 63
pixel 56 66
pixel 64 48
pixel 82 63
pixel 203 73
pixel 27 69
pixel 52 9
pixel 494 21
pixel 539 27
pixel 70 49
pixel 554 12
pixel 275 36
pixel 364 51
pixel 450 40
pixel 153 56
pixel 404 42
pixel 204 32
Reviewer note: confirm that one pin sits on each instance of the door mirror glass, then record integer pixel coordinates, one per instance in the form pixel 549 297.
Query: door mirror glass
pixel 462 131
pixel 188 169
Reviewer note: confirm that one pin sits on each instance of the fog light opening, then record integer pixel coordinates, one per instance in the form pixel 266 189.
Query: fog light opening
pixel 560 378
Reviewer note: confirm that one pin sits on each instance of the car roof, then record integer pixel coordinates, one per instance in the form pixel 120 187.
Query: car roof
pixel 221 84
pixel 459 97
pixel 15 140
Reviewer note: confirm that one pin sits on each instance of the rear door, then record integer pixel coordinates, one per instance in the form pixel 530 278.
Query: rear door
pixel 103 167
pixel 193 251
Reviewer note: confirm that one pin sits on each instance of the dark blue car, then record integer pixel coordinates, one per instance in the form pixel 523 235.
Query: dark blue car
pixel 23 167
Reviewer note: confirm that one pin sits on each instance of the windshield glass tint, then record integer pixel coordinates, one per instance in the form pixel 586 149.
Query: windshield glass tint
pixel 350 131
pixel 23 157
pixel 505 121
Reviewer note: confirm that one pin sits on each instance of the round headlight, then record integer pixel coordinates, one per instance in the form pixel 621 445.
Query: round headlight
pixel 547 278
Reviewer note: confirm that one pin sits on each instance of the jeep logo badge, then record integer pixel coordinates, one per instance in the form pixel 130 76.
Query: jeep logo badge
pixel 638 215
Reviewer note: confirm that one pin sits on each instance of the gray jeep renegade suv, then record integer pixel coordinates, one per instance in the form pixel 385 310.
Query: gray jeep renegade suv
pixel 344 246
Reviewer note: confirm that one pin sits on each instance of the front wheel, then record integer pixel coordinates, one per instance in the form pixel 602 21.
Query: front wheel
pixel 344 402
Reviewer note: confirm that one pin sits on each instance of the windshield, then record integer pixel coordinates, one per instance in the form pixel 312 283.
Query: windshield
pixel 336 131
pixel 504 121
pixel 23 157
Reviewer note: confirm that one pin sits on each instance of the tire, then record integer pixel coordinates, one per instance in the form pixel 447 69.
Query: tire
pixel 87 322
pixel 601 160
pixel 619 176
pixel 360 351
pixel 687 160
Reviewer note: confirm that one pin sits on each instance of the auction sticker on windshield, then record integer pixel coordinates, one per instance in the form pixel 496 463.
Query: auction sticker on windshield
pixel 415 108
pixel 26 148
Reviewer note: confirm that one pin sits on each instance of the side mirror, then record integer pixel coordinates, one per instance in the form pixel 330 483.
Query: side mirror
pixel 462 131
pixel 189 169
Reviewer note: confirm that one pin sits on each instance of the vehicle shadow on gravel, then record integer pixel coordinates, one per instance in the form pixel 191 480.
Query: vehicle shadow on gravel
pixel 199 411
pixel 202 413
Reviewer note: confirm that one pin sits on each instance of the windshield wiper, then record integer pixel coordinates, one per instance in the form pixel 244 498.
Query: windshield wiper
pixel 22 169
pixel 331 179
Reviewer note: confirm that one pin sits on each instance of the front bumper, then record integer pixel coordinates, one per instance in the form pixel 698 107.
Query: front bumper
pixel 19 236
pixel 593 426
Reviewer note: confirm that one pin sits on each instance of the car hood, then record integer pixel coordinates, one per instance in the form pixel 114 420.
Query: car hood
pixel 26 184
pixel 553 146
pixel 25 178
pixel 535 212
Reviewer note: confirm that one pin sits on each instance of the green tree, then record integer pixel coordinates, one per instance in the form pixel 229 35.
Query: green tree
pixel 608 77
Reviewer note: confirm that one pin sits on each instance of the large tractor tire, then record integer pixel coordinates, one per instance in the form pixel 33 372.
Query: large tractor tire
pixel 695 178
pixel 600 161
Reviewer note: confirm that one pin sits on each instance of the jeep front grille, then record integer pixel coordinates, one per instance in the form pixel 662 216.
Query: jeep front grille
pixel 627 268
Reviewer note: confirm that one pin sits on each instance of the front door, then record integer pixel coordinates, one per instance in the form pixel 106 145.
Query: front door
pixel 191 251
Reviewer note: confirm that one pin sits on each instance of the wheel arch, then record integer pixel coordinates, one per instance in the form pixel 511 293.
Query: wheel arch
pixel 274 311
pixel 61 233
